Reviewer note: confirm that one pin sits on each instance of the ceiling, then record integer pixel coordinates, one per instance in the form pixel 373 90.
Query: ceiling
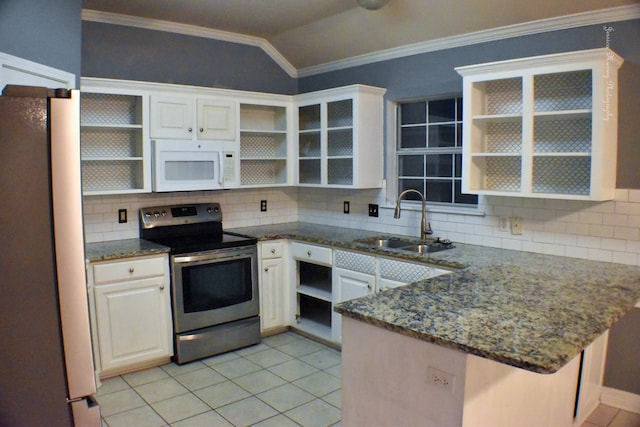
pixel 309 33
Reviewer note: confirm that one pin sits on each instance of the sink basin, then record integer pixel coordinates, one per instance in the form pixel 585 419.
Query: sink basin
pixel 423 249
pixel 388 243
pixel 409 245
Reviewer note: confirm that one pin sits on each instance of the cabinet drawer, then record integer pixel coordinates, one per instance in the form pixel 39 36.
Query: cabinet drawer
pixel 311 253
pixel 132 268
pixel 271 250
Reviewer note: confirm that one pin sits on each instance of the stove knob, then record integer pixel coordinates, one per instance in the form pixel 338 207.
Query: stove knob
pixel 209 211
pixel 147 215
pixel 156 214
pixel 216 209
pixel 164 213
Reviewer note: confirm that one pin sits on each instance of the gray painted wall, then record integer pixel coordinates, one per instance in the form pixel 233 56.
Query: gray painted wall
pixel 119 52
pixel 433 74
pixel 48 32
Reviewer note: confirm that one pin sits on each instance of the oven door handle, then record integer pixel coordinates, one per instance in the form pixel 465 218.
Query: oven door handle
pixel 216 257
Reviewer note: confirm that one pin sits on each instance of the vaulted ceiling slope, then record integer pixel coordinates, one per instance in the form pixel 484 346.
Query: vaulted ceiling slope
pixel 311 36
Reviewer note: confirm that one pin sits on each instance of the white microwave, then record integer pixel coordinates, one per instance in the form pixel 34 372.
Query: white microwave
pixel 191 165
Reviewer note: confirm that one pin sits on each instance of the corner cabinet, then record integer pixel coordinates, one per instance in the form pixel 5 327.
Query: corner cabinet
pixel 340 137
pixel 115 150
pixel 131 320
pixel 543 126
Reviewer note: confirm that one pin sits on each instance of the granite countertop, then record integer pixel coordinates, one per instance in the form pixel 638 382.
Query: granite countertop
pixel 104 251
pixel 532 311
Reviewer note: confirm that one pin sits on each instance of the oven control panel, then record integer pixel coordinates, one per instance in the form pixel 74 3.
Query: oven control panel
pixel 159 216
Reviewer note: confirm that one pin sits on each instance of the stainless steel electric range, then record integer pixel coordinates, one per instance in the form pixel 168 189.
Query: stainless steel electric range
pixel 214 282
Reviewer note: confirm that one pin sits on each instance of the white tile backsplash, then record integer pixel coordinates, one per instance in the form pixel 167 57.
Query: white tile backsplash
pixel 607 231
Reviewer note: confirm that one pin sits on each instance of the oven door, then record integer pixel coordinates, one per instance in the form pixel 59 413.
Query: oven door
pixel 214 287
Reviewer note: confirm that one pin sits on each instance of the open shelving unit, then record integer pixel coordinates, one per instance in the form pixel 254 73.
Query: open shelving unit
pixel 113 147
pixel 263 145
pixel 535 127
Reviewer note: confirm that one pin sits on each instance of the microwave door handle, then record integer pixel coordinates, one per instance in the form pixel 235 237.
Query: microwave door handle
pixel 221 168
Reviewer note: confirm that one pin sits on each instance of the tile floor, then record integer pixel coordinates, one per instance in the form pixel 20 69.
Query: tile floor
pixel 287 380
pixel 608 416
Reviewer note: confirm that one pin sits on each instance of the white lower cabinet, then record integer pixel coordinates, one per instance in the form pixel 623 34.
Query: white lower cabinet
pixel 354 276
pixel 273 289
pixel 131 313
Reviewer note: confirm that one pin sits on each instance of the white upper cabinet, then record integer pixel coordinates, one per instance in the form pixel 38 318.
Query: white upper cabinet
pixel 172 117
pixel 543 126
pixel 340 137
pixel 114 146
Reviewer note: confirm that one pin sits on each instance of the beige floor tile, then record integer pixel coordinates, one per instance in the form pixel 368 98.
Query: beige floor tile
pixel 200 378
pixel 602 415
pixel 625 419
pixel 160 390
pixel 180 407
pixel 285 397
pixel 222 394
pixel 207 419
pixel 120 401
pixel 316 413
pixel 247 411
pixel 144 416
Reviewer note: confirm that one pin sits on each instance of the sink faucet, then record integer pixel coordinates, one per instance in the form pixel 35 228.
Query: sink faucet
pixel 425 227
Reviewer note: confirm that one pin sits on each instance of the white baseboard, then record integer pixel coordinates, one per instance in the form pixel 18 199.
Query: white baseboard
pixel 620 399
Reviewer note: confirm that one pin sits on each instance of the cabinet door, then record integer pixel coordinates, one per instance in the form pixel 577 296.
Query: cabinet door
pixel 171 117
pixel 348 285
pixel 216 119
pixel 273 293
pixel 134 322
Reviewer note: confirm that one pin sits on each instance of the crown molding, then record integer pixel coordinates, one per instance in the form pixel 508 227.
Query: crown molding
pixel 622 13
pixel 603 16
pixel 190 30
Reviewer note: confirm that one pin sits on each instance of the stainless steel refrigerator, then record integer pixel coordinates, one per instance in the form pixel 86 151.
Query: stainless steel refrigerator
pixel 46 361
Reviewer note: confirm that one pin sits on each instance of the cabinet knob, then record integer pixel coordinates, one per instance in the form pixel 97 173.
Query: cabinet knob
pixel 308 253
pixel 162 287
pixel 190 130
pixel 201 130
pixel 131 270
pixel 266 269
pixel 369 287
pixel 273 251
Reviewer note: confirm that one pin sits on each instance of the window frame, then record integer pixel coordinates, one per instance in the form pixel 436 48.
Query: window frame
pixel 393 155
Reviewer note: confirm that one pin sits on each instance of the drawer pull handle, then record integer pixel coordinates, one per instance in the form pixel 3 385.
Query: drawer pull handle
pixel 266 269
pixel 190 130
pixel 308 253
pixel 201 130
pixel 131 270
pixel 162 287
pixel 273 251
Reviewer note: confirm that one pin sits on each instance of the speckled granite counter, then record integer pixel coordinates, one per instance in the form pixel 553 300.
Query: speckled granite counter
pixel 103 251
pixel 531 311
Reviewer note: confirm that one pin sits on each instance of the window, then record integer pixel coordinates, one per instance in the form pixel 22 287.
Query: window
pixel 430 151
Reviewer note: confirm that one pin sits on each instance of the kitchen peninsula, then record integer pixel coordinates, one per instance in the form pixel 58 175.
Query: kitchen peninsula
pixel 503 335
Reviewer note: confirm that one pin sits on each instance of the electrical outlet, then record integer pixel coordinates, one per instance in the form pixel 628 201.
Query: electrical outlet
pixel 443 380
pixel 505 223
pixel 263 205
pixel 516 225
pixel 122 216
pixel 373 210
pixel 345 207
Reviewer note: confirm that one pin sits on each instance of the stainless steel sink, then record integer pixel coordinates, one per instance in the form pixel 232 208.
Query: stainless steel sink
pixel 388 243
pixel 409 245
